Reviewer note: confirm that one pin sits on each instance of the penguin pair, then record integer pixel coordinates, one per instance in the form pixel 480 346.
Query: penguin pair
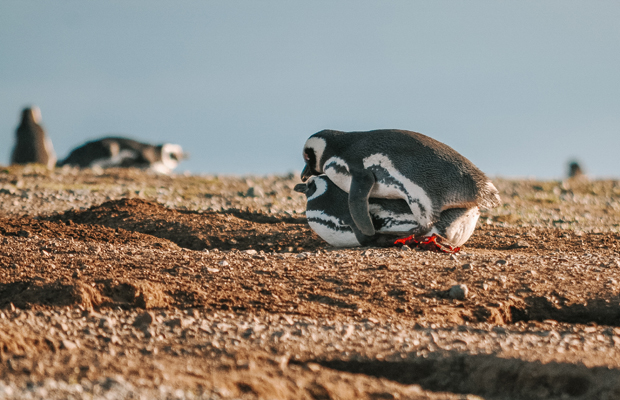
pixel 32 145
pixel 328 215
pixel 442 189
pixel 123 153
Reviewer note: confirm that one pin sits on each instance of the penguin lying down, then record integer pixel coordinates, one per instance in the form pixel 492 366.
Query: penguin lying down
pixel 122 152
pixel 328 215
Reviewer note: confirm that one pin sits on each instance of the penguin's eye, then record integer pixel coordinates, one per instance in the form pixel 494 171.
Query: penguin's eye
pixel 306 156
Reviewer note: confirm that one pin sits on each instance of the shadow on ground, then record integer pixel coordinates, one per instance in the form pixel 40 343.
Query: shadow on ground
pixel 488 375
pixel 225 230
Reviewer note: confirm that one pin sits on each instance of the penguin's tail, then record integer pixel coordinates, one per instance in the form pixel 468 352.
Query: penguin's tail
pixel 488 196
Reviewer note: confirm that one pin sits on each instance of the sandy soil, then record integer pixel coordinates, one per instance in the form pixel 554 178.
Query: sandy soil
pixel 122 284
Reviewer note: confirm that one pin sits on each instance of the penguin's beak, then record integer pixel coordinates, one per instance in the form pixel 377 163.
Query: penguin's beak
pixel 306 173
pixel 301 188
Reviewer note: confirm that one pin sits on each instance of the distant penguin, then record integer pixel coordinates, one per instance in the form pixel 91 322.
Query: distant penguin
pixel 575 170
pixel 125 153
pixel 396 164
pixel 32 144
pixel 328 215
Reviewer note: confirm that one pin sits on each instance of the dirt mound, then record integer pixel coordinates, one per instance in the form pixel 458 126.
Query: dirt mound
pixel 200 230
pixel 24 294
pixel 27 227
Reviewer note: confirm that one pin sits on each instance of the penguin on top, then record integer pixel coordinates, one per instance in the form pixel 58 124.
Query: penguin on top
pixel 328 215
pixel 125 153
pixel 32 144
pixel 428 175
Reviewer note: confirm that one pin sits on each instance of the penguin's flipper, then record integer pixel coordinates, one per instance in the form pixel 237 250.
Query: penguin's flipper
pixel 361 185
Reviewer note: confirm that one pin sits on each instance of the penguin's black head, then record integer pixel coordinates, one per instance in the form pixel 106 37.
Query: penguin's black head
pixel 308 188
pixel 313 157
pixel 574 169
pixel 301 188
pixel 31 115
pixel 309 169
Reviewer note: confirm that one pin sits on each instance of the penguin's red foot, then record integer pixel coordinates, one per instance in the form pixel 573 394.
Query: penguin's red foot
pixel 432 243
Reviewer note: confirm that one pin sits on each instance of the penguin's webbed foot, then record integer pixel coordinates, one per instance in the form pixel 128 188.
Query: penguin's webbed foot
pixel 431 243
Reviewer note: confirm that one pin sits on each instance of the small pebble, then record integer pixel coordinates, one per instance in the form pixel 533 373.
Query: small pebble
pixel 69 345
pixel 106 323
pixel 519 244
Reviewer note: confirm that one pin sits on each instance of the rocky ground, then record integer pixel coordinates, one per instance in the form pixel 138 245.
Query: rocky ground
pixel 124 284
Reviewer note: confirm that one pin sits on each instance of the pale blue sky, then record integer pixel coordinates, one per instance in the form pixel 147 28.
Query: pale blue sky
pixel 517 87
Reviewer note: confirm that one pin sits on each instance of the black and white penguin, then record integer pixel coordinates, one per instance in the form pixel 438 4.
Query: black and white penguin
pixel 32 144
pixel 396 164
pixel 124 153
pixel 328 215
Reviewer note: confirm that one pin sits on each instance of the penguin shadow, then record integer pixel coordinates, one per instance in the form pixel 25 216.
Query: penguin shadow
pixel 485 375
pixel 198 230
pixel 600 311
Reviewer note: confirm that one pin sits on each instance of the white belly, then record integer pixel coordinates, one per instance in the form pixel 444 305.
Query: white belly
pixel 331 229
pixel 461 229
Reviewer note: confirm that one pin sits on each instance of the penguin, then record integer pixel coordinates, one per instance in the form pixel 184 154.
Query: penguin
pixel 428 175
pixel 124 153
pixel 575 170
pixel 32 144
pixel 328 215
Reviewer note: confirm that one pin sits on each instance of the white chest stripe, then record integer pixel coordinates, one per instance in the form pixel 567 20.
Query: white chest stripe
pixel 334 237
pixel 412 193
pixel 337 171
pixel 325 217
pixel 114 160
pixel 321 187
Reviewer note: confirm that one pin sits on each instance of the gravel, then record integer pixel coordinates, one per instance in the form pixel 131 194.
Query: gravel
pixel 533 298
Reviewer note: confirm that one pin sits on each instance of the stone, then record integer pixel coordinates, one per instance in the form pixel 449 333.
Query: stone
pixel 67 344
pixel 519 244
pixel 143 320
pixel 106 323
